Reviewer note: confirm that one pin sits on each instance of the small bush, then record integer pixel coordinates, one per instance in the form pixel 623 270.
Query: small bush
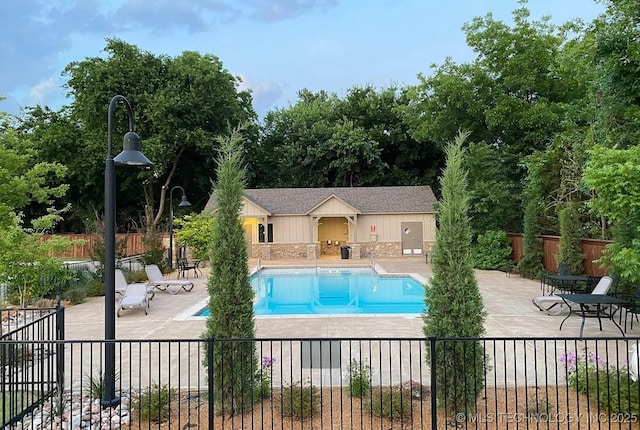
pixel 612 388
pixel 263 379
pixel 391 402
pixel 492 251
pixel 94 384
pixel 358 378
pixel 95 288
pixel 14 355
pixel 138 276
pixel 76 296
pixel 300 401
pixel 154 403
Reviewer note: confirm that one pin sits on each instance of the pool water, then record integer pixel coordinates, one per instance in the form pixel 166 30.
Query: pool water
pixel 334 291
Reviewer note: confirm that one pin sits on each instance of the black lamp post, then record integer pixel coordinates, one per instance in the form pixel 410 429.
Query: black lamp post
pixel 130 156
pixel 184 202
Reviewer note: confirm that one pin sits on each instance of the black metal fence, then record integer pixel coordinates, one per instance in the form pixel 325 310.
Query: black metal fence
pixel 31 365
pixel 329 383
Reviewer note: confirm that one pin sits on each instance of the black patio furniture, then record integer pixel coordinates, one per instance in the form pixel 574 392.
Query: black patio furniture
pixel 592 306
pixel 184 266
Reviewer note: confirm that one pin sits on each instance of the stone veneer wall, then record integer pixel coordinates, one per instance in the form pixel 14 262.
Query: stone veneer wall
pixel 275 251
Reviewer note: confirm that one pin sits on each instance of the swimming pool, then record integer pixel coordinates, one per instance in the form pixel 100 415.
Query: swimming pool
pixel 333 291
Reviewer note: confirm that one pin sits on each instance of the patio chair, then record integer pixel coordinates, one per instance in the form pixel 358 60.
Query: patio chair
pixel 173 286
pixel 121 285
pixel 135 296
pixel 184 266
pixel 546 303
pixel 632 306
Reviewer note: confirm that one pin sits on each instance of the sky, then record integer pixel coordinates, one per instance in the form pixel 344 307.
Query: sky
pixel 277 47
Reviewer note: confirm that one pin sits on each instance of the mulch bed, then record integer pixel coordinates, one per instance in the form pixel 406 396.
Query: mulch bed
pixel 549 407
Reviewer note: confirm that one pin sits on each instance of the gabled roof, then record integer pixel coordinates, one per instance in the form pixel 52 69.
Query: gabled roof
pixel 333 197
pixel 367 200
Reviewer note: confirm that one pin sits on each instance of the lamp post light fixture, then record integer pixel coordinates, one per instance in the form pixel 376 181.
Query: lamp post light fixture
pixel 183 203
pixel 130 156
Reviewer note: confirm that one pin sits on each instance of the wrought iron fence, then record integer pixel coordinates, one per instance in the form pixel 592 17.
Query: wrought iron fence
pixel 340 383
pixel 31 366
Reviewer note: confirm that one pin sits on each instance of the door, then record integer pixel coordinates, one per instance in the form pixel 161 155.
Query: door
pixel 411 238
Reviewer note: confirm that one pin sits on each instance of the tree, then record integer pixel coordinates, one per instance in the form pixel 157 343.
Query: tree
pixel 617 62
pixel 530 265
pixel 517 94
pixel 180 104
pixel 359 140
pixel 454 303
pixel 569 251
pixel 612 175
pixel 231 296
pixel 26 264
pixel 196 232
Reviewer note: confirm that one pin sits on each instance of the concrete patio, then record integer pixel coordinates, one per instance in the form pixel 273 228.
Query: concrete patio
pixel 507 300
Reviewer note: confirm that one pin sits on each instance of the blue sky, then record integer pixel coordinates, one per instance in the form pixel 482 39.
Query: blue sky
pixel 278 47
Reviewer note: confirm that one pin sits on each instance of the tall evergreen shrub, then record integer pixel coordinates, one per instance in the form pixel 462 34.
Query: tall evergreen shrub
pixel 454 303
pixel 230 293
pixel 569 251
pixel 530 266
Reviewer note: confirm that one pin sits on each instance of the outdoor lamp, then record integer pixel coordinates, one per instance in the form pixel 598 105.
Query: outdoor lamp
pixel 130 156
pixel 184 202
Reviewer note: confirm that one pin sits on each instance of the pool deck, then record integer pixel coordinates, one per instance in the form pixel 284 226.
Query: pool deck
pixel 507 300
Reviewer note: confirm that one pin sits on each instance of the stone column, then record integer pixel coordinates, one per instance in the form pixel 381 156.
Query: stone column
pixel 312 251
pixel 355 251
pixel 265 251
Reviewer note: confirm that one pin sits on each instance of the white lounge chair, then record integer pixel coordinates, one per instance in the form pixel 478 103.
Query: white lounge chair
pixel 173 286
pixel 546 303
pixel 121 285
pixel 135 296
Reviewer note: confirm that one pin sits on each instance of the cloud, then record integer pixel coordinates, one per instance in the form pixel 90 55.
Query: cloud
pixel 43 91
pixel 264 94
pixel 275 10
pixel 35 35
pixel 160 16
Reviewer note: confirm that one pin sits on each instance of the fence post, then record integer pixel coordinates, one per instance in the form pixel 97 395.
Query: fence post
pixel 432 368
pixel 60 347
pixel 211 414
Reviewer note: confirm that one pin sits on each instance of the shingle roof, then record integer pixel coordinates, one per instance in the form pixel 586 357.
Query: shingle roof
pixel 373 200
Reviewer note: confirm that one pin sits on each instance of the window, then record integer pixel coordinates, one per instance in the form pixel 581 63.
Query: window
pixel 269 233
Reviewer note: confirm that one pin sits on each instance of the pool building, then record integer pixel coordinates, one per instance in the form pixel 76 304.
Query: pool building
pixel 307 223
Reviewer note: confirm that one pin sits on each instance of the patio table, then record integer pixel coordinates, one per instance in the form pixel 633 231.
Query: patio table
pixel 592 306
pixel 566 283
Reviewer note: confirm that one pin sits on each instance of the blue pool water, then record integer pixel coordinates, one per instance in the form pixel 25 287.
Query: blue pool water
pixel 334 291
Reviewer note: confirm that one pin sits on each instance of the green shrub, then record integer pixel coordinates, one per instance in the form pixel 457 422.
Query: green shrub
pixel 358 378
pixel 569 250
pixel 300 401
pixel 137 276
pixel 154 251
pixel 76 296
pixel 263 378
pixel 613 389
pixel 94 384
pixel 492 251
pixel 95 288
pixel 391 402
pixel 154 403
pixel 12 354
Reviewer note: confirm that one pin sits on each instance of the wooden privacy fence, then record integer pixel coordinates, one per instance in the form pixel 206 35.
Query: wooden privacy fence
pixel 591 248
pixel 81 252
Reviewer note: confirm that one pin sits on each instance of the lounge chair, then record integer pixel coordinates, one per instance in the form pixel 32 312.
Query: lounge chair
pixel 546 303
pixel 173 286
pixel 121 285
pixel 135 296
